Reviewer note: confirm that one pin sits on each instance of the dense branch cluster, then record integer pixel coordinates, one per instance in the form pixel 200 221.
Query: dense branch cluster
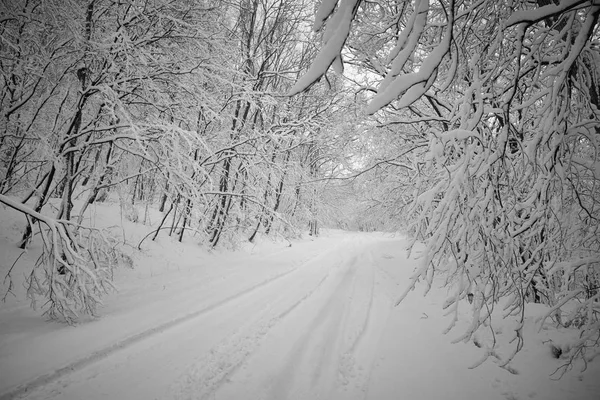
pixel 496 114
pixel 173 104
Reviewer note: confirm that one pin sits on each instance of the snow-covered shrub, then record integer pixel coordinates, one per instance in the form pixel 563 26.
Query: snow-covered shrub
pixel 74 269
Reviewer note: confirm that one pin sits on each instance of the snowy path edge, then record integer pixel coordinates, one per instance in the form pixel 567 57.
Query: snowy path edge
pixel 98 355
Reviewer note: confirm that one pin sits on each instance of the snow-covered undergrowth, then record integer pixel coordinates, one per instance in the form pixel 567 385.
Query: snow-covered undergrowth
pixel 152 288
pixel 314 320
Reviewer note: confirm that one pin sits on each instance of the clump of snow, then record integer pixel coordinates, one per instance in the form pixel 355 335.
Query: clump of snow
pixel 338 29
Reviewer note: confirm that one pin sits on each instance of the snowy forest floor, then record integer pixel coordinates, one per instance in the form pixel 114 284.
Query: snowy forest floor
pixel 267 321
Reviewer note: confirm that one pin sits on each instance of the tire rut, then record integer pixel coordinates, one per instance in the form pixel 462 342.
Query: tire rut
pixel 224 360
pixel 43 380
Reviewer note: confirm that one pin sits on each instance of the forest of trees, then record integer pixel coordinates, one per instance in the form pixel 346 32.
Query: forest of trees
pixel 473 125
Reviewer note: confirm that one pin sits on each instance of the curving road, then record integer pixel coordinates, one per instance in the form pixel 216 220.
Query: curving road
pixel 314 321
pixel 306 331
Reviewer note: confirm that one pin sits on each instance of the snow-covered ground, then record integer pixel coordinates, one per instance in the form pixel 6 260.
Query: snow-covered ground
pixel 268 321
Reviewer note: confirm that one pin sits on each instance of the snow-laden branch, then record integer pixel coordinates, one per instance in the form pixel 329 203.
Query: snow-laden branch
pixel 407 42
pixel 337 32
pixel 325 10
pixel 408 88
pixel 76 267
pixel 537 14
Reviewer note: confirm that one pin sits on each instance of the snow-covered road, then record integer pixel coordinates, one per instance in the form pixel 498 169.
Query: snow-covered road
pixel 312 321
pixel 278 328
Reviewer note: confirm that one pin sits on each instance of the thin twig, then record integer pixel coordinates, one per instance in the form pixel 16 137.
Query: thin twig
pixel 10 281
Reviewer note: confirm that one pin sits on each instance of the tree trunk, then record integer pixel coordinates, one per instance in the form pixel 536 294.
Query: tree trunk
pixel 38 207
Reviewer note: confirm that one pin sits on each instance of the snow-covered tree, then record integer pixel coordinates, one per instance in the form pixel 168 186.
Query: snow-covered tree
pixel 504 96
pixel 175 104
pixel 96 96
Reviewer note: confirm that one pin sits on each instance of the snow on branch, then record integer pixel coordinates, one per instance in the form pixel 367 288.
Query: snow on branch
pixel 459 134
pixel 572 265
pixel 325 10
pixel 535 15
pixel 408 88
pixel 74 269
pixel 407 42
pixel 335 37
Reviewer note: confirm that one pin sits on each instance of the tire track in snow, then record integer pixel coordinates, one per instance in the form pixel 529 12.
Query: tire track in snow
pixel 347 364
pixel 320 337
pixel 97 374
pixel 325 349
pixel 298 357
pixel 330 358
pixel 226 358
pixel 26 388
pixel 357 363
pixel 223 362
